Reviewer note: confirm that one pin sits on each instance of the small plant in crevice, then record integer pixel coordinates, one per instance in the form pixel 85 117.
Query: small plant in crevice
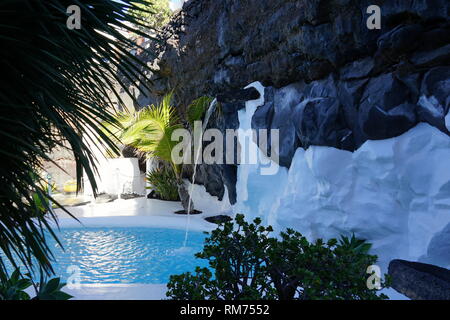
pixel 246 263
pixel 197 109
pixel 164 182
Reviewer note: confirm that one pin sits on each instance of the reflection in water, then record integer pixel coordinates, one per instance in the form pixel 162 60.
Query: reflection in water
pixel 126 255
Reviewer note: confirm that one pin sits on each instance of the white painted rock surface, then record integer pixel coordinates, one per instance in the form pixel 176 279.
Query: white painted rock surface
pixel 395 192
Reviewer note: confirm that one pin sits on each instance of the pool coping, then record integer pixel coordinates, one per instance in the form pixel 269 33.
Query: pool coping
pixel 151 213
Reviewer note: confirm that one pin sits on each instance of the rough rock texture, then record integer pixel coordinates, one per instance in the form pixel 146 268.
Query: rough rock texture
pixel 330 81
pixel 218 219
pixel 420 281
pixel 395 193
pixel 214 46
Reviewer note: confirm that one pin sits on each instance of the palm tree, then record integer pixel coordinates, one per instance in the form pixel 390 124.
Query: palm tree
pixel 54 88
pixel 150 131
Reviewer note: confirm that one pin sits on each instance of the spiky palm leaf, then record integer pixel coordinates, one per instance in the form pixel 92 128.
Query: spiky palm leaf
pixel 197 109
pixel 54 88
pixel 151 132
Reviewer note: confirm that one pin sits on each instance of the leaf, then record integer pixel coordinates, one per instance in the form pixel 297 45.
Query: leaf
pixel 54 89
pixel 60 295
pixel 197 109
pixel 51 286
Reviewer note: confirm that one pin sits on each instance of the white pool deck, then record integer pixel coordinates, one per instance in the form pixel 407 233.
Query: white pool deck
pixel 139 212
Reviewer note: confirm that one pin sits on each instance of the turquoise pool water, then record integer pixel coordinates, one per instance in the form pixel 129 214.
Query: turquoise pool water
pixel 125 255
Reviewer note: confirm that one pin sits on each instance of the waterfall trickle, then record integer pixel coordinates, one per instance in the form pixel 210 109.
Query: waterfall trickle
pixel 256 195
pixel 209 112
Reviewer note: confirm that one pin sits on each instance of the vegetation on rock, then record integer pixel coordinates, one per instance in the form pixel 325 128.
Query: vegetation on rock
pixel 154 13
pixel 197 109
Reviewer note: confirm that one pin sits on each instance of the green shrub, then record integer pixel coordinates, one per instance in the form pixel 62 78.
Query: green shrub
pixel 14 288
pixel 164 182
pixel 249 264
pixel 197 109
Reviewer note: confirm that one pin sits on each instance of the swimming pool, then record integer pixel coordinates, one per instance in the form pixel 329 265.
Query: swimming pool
pixel 125 255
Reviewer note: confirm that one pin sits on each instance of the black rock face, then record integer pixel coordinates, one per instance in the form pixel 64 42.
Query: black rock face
pixel 386 108
pixel 329 80
pixel 241 95
pixel 215 47
pixel 218 219
pixel 420 281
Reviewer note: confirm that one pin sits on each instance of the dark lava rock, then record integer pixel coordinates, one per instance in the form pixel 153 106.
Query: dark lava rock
pixel 156 196
pixel 218 219
pixel 432 58
pixel 231 108
pixel 211 177
pixel 329 80
pixel 436 82
pixel 194 212
pixel 316 119
pixel 349 94
pixel 276 113
pixel 386 109
pixel 229 176
pixel 420 281
pixel 238 95
pixel 263 116
pixel 357 69
pixel 128 151
pixel 398 41
pixel 211 47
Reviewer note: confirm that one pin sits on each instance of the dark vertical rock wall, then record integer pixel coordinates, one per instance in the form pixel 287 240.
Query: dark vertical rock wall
pixel 329 79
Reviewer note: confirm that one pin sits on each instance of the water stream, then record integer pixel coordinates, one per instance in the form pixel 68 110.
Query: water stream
pixel 209 112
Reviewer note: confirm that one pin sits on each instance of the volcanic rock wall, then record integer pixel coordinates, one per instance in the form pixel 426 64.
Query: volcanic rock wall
pixel 330 81
pixel 349 103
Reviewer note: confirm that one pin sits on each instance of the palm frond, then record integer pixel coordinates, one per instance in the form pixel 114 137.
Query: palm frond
pixel 197 109
pixel 54 88
pixel 152 129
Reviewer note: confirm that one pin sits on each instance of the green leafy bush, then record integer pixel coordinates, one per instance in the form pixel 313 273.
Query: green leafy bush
pixel 249 264
pixel 14 288
pixel 51 290
pixel 164 182
pixel 55 83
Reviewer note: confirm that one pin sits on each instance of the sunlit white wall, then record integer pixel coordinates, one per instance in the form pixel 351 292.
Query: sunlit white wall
pixel 176 4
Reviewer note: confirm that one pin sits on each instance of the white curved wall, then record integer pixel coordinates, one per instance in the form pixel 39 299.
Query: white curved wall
pixel 394 192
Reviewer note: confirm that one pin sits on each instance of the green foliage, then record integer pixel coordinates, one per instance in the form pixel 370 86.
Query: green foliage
pixel 150 131
pixel 197 286
pixel 154 13
pixel 40 197
pixel 14 288
pixel 51 290
pixel 249 264
pixel 164 182
pixel 54 89
pixel 197 109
